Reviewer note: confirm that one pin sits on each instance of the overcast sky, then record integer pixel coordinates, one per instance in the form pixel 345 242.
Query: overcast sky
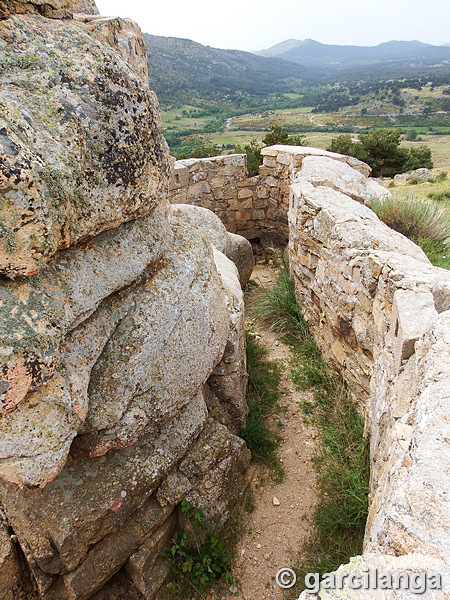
pixel 257 24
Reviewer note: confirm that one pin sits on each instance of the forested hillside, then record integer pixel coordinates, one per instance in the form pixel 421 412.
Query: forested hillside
pixel 182 69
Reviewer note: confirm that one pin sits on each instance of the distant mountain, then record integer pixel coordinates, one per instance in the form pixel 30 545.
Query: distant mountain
pixel 184 69
pixel 393 54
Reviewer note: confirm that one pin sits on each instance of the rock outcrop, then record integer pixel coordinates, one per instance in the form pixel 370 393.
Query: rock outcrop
pixel 121 334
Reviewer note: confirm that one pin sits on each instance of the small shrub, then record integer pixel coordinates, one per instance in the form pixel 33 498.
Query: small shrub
pixel 193 564
pixel 441 176
pixel 414 181
pixel 414 218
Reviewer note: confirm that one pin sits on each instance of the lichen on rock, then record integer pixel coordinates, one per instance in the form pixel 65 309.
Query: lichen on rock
pixel 82 148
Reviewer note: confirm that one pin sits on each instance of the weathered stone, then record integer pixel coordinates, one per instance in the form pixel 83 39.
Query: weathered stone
pixel 38 428
pixel 216 467
pixel 158 354
pixel 116 167
pixel 124 36
pixel 342 222
pixel 211 476
pixel 109 554
pixel 228 381
pixel 55 9
pixel 146 567
pixel 413 314
pixel 326 171
pixel 240 251
pixel 205 220
pixel 11 574
pixel 374 577
pixel 92 498
pixel 423 174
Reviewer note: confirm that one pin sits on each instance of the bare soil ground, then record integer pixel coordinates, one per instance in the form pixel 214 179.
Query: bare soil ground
pixel 273 533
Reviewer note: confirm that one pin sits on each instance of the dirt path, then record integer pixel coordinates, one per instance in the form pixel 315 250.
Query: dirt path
pixel 274 531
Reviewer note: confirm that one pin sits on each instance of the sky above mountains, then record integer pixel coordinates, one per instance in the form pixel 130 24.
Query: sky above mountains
pixel 258 24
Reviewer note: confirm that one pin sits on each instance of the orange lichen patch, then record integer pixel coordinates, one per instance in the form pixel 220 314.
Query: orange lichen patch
pixel 16 381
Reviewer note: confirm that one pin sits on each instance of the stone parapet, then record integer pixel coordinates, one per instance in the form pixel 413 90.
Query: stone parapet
pixel 380 313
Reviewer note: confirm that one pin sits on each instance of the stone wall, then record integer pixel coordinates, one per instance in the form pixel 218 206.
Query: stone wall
pixel 121 320
pixel 254 207
pixel 381 314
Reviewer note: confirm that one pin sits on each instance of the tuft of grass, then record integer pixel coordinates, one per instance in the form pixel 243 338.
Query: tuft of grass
pixel 437 252
pixel 422 220
pixel 414 218
pixel 342 459
pixel 278 309
pixel 263 394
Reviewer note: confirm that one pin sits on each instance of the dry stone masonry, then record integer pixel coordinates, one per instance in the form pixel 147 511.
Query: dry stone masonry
pixel 122 343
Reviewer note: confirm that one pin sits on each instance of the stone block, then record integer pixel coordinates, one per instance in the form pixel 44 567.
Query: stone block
pixel 245 193
pixel 146 567
pixel 179 177
pixel 413 314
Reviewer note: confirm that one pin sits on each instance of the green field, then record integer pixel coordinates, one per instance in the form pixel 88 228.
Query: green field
pixel 229 122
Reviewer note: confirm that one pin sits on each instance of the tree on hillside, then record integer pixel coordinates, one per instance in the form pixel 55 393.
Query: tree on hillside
pixel 343 144
pixel 418 158
pixel 254 158
pixel 381 150
pixel 278 135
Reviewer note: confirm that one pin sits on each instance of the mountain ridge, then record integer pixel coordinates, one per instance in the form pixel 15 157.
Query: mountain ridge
pixel 311 53
pixel 182 66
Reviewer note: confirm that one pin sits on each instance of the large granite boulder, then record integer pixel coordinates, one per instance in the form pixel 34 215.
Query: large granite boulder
pixel 235 247
pixel 82 146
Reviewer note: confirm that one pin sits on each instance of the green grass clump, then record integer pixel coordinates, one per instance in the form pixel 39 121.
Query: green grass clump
pixel 342 458
pixel 278 309
pixel 439 196
pixel 263 394
pixel 414 218
pixel 421 220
